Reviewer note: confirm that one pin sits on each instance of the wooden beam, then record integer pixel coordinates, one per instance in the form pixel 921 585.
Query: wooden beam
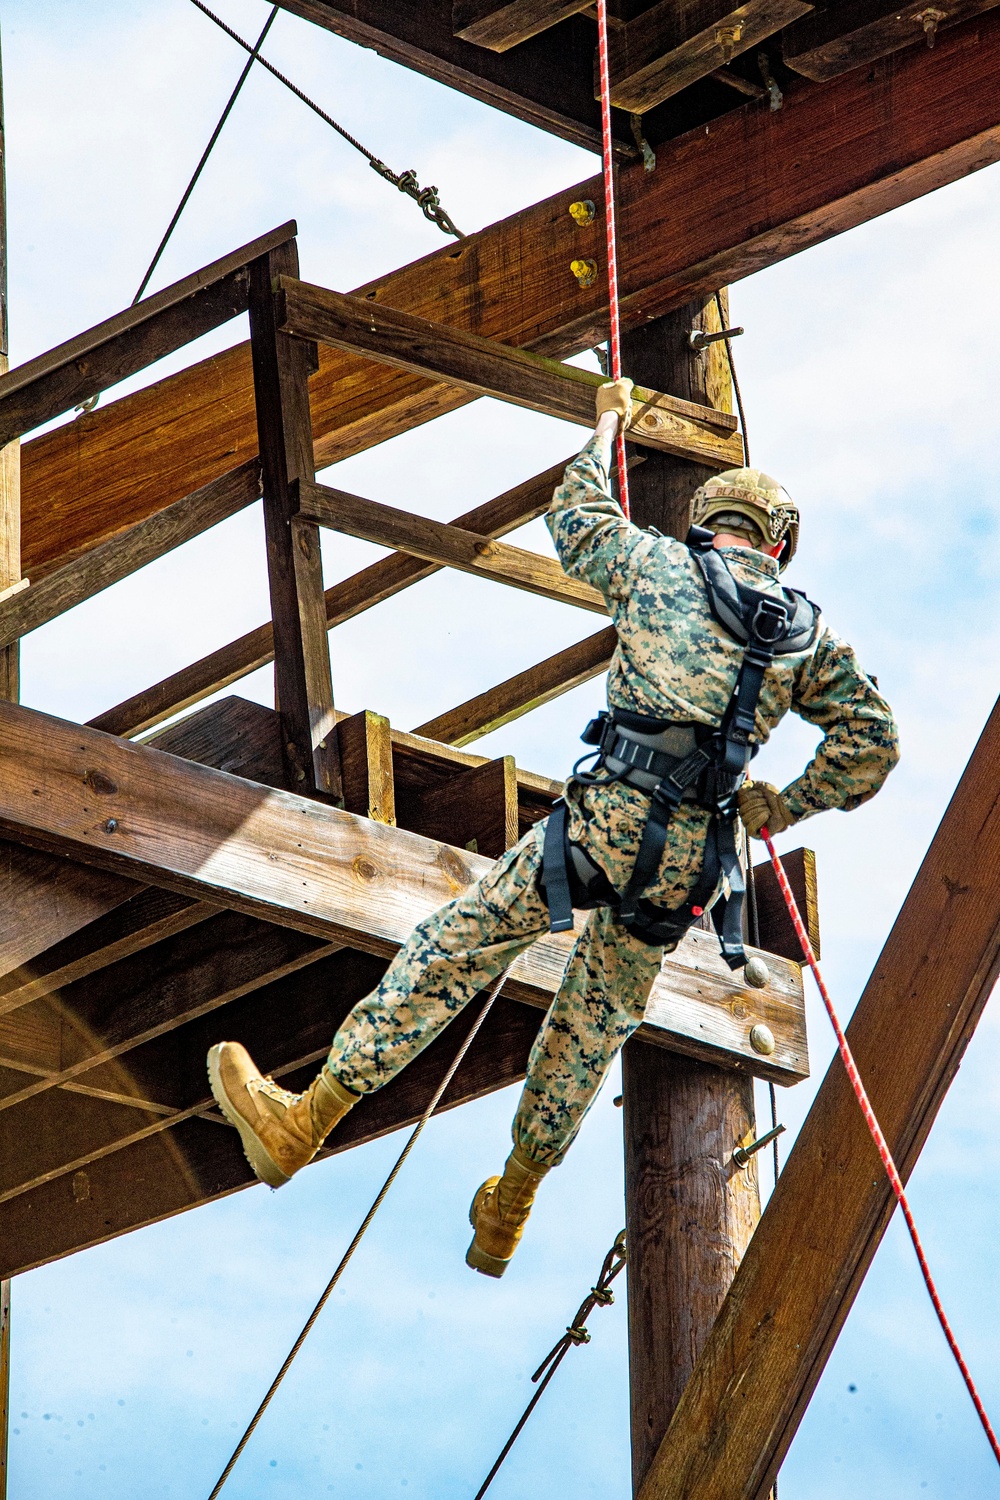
pixel 302 685
pixel 84 366
pixel 689 1214
pixel 451 546
pixel 305 865
pixel 476 810
pixel 234 735
pixel 832 1203
pixel 669 47
pixel 343 602
pixel 832 158
pixel 44 899
pixel 852 33
pixel 500 26
pixel 774 930
pixel 172 1169
pixel 366 766
pixel 546 83
pixel 138 923
pixel 520 694
pixel 123 555
pixel 488 368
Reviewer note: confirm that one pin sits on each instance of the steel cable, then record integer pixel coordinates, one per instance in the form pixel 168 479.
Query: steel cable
pixel 360 1234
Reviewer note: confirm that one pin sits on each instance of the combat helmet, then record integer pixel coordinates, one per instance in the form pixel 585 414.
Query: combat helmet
pixel 755 504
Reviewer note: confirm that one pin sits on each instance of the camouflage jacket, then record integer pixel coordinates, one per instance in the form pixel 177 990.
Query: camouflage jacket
pixel 674 661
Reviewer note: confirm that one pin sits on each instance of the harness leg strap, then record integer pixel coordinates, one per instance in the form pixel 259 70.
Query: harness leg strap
pixel 555 877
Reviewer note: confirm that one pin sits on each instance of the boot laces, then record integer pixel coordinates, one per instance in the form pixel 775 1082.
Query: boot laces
pixel 273 1093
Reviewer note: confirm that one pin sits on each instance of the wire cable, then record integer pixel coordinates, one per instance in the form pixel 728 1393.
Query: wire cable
pixel 599 1296
pixel 206 153
pixel 359 1236
pixel 614 337
pixel 406 182
pixel 892 1172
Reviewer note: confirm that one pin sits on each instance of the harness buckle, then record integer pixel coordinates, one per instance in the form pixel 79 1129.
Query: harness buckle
pixel 770 621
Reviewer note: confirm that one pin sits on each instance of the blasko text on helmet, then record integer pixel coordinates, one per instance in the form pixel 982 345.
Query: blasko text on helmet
pixel 754 495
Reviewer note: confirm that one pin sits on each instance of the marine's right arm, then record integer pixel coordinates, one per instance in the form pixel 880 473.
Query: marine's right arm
pixel 594 540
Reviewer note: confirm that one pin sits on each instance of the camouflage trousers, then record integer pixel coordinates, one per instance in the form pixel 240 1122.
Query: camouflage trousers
pixel 451 956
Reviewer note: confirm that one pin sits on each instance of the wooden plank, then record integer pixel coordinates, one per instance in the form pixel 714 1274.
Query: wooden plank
pixel 303 864
pixel 689 1215
pixel 172 1169
pixel 302 683
pixel 366 766
pixel 144 919
pixel 833 1203
pixel 44 899
pixel 547 82
pixel 51 384
pixel 525 691
pixel 343 601
pixel 832 158
pixel 775 931
pixel 234 735
pixel 475 810
pixel 502 26
pixel 851 33
pixel 123 555
pixel 671 46
pixel 489 368
pixel 437 542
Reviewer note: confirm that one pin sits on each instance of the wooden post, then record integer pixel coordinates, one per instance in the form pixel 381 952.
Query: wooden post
pixel 660 354
pixel 689 1211
pixel 303 688
pixel 10 574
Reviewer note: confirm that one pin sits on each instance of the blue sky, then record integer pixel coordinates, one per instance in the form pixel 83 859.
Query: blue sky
pixel 869 370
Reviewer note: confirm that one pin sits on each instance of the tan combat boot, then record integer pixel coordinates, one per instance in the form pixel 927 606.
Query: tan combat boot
pixel 280 1131
pixel 500 1211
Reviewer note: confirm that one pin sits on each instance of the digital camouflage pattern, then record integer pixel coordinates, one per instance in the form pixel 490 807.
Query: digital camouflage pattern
pixel 451 956
pixel 673 661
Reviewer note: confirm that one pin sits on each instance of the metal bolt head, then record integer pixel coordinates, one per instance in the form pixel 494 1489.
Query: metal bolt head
pixel 585 271
pixel 762 1039
pixel 111 825
pixel 584 211
pixel 756 973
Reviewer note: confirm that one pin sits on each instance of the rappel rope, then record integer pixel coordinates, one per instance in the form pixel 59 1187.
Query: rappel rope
pixel 614 336
pixel 892 1172
pixel 362 1230
pixel 600 1295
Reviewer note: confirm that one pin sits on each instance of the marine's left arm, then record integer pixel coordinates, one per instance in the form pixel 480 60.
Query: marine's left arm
pixel 860 742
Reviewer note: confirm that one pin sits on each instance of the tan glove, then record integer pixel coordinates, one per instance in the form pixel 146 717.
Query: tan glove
pixel 761 803
pixel 616 396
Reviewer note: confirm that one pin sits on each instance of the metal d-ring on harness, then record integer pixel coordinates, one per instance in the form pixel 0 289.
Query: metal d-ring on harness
pixel 675 762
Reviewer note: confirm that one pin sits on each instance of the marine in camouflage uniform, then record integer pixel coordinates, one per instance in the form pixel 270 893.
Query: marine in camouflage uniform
pixel 673 662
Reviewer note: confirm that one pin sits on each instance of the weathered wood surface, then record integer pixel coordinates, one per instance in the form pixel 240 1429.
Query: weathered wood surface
pixel 832 158
pixel 502 26
pixel 833 1202
pixel 302 683
pixel 49 385
pixel 295 861
pixel 475 810
pixel 668 47
pixel 775 930
pixel 344 600
pixel 526 690
pixel 689 1214
pixel 44 899
pixel 365 744
pixel 834 39
pixel 451 546
pixel 123 555
pixel 489 368
pixel 146 918
pixel 176 1163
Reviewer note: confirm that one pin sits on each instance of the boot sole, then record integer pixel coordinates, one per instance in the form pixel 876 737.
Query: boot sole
pixel 486 1265
pixel 264 1167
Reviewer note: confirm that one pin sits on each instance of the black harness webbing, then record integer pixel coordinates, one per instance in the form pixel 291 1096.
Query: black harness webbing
pixel 630 748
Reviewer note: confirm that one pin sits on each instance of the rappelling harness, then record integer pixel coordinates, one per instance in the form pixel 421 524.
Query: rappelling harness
pixel 674 762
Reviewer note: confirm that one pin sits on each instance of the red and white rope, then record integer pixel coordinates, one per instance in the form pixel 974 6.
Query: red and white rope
pixel 892 1172
pixel 614 337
